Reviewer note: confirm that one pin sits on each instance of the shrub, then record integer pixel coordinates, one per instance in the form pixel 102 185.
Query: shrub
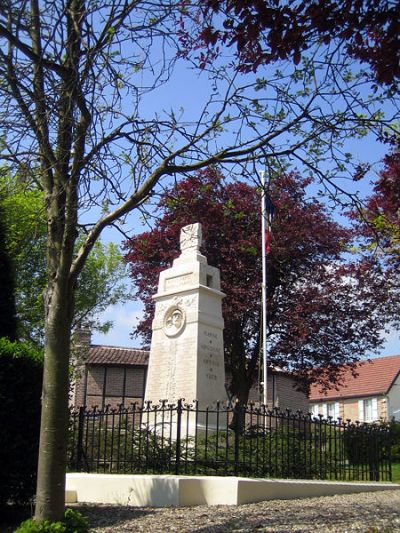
pixel 73 522
pixel 20 389
pixel 394 427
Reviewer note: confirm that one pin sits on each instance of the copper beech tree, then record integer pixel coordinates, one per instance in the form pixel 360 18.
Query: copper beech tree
pixel 90 113
pixel 260 32
pixel 325 308
pixel 379 227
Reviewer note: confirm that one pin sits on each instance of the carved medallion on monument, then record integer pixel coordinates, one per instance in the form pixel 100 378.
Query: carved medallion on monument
pixel 174 321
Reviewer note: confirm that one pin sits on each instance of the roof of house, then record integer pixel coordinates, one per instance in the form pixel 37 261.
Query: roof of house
pixel 116 355
pixel 374 377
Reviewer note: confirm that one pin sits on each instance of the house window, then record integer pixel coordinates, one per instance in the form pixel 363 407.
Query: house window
pixel 333 410
pixel 368 410
pixel 315 409
pixel 329 409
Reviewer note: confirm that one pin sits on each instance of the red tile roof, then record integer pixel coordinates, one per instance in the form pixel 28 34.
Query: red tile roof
pixel 115 355
pixel 375 376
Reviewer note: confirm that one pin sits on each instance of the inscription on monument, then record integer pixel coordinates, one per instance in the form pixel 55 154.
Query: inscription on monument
pixel 211 354
pixel 171 373
pixel 178 281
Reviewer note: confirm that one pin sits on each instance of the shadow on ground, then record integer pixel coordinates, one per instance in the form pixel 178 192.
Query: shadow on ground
pixel 100 516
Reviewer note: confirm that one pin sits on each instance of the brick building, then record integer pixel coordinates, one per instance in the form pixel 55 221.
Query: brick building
pixel 113 375
pixel 372 394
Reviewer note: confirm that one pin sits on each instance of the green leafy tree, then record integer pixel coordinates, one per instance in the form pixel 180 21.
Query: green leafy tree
pixel 8 314
pixel 82 111
pixel 23 209
pixel 99 285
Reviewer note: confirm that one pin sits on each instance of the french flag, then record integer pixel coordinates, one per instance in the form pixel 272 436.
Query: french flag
pixel 269 209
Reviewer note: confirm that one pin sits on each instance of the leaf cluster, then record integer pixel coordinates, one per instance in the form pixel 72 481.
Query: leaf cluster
pixel 264 32
pixel 73 522
pixel 99 285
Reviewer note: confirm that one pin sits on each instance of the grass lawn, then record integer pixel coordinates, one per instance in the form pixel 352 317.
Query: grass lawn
pixel 396 472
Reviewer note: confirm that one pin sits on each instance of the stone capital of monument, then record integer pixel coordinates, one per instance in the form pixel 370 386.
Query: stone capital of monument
pixel 191 238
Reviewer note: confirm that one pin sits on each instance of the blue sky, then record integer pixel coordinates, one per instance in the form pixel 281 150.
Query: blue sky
pixel 189 91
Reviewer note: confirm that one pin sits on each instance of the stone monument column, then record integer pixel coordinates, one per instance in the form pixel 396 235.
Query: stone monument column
pixel 187 351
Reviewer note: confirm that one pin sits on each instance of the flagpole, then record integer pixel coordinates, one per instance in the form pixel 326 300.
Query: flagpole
pixel 264 229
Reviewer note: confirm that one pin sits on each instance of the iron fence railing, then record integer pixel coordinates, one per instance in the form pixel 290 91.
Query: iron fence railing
pixel 224 440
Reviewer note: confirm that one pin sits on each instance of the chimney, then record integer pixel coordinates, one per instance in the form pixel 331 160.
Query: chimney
pixel 82 336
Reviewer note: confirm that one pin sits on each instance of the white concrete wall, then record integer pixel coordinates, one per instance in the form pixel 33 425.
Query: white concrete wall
pixel 161 491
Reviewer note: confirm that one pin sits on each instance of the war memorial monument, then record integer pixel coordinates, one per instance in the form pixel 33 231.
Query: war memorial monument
pixel 187 351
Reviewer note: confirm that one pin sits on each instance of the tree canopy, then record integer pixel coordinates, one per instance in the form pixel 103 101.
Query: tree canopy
pixel 264 32
pixel 325 308
pixel 8 314
pixel 84 112
pixel 378 225
pixel 99 285
pixel 382 212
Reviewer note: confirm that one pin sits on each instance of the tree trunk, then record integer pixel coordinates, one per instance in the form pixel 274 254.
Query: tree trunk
pixel 50 495
pixel 242 387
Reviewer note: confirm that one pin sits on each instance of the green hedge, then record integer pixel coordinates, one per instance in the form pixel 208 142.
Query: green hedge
pixel 394 427
pixel 282 453
pixel 21 369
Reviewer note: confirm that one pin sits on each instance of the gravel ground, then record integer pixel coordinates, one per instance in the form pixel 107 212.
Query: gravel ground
pixel 367 512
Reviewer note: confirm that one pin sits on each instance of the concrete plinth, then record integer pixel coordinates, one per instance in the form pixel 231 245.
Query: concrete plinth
pixel 161 491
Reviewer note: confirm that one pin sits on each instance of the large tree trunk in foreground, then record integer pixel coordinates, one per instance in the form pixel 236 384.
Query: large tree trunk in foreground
pixel 50 495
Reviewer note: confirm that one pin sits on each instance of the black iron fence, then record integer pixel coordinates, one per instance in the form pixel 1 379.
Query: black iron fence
pixel 226 440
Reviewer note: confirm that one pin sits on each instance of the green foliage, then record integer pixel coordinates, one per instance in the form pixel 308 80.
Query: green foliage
pixel 73 522
pixel 289 449
pixel 44 526
pixel 26 245
pixel 395 435
pixel 124 450
pixel 8 315
pixel 20 390
pixel 396 472
pixel 99 284
pixel 282 452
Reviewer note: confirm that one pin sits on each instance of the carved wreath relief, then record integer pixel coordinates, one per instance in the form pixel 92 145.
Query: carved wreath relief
pixel 174 321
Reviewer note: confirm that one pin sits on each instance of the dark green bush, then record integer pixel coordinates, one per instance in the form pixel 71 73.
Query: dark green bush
pixel 20 389
pixel 283 452
pixel 394 427
pixel 365 447
pixel 73 522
